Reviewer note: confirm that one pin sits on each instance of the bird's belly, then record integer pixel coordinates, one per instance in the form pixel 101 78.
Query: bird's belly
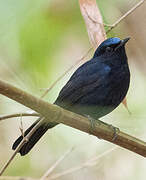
pixel 94 111
pixel 97 104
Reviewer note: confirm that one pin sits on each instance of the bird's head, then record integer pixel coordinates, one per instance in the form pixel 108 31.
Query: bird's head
pixel 110 46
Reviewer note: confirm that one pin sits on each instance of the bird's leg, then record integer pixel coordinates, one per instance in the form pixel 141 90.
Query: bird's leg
pixel 116 131
pixel 92 123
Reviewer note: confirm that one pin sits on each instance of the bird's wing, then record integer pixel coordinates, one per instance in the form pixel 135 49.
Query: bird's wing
pixel 84 80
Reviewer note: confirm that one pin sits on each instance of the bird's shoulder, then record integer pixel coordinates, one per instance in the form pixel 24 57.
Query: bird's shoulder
pixel 91 72
pixel 93 66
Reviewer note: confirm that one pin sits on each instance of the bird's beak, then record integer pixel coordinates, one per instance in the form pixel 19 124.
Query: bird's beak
pixel 122 43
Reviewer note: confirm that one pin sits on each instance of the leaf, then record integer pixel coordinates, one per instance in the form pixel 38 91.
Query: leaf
pixel 125 105
pixel 93 21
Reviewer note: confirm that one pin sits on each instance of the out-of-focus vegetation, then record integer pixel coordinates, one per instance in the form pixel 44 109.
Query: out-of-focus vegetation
pixel 39 40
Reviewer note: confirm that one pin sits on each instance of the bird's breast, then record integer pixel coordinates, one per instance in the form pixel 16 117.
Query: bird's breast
pixel 119 80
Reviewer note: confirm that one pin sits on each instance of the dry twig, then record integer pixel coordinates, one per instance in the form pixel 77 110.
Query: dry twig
pixel 125 15
pixel 16 178
pixel 21 127
pixel 88 163
pixel 51 169
pixel 25 139
pixel 18 115
pixel 69 69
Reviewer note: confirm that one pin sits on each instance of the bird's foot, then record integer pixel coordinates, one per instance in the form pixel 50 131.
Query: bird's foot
pixel 116 131
pixel 92 124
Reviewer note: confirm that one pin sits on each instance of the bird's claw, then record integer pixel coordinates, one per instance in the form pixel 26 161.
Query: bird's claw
pixel 116 131
pixel 92 124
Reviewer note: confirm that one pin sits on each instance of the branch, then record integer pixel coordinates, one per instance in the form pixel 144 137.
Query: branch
pixel 18 115
pixel 57 114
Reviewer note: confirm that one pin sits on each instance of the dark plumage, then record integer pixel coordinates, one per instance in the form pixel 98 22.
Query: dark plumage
pixel 95 89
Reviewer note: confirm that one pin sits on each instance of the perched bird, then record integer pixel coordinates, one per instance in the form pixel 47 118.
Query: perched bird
pixel 95 89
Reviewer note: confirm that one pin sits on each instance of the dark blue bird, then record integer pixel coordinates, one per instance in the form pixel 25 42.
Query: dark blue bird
pixel 95 89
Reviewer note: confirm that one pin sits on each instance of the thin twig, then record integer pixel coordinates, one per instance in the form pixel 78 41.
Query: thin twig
pixel 21 127
pixel 51 169
pixel 16 178
pixel 70 68
pixel 125 15
pixel 25 139
pixel 18 115
pixel 88 163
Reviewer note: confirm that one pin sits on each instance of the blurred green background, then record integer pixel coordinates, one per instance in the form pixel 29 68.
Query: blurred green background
pixel 39 40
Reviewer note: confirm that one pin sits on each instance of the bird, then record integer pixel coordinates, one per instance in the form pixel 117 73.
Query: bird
pixel 95 89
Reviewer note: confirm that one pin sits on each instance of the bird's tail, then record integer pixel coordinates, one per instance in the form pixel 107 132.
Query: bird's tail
pixel 34 138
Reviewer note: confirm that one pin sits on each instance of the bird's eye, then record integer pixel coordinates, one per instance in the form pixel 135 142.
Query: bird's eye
pixel 109 49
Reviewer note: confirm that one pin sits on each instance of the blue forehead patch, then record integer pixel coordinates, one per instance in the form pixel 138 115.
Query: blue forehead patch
pixel 110 41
